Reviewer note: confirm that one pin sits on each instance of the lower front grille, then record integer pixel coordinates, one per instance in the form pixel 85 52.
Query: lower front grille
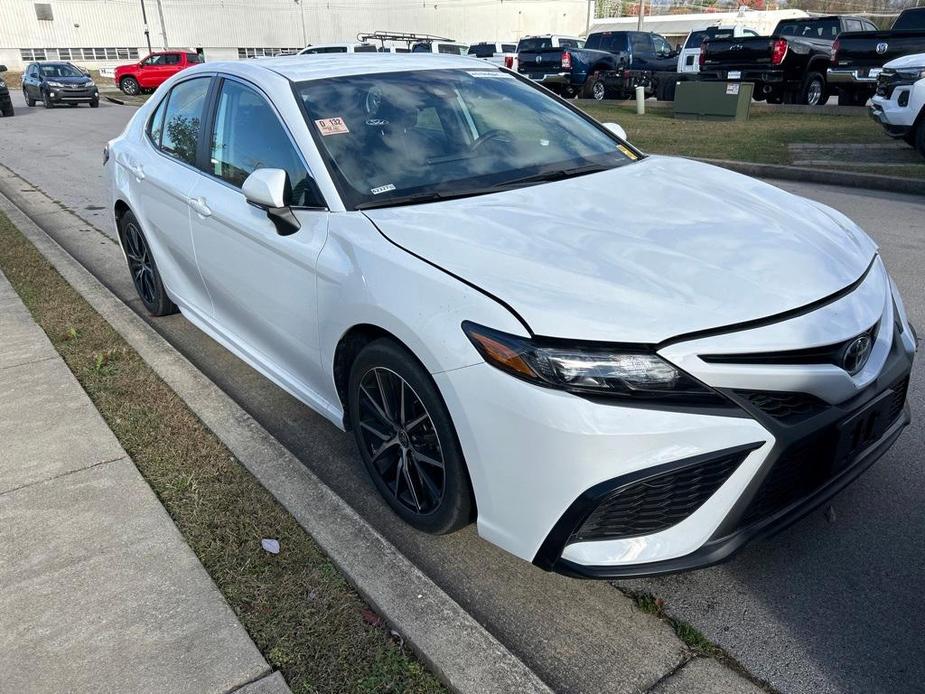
pixel 789 408
pixel 807 466
pixel 658 502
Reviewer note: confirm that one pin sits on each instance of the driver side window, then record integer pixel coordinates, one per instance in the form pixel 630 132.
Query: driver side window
pixel 662 47
pixel 248 136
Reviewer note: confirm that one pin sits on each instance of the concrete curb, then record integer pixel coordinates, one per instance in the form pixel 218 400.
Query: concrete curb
pixel 457 648
pixel 844 179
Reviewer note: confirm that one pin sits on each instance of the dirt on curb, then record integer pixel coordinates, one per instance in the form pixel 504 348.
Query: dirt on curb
pixel 300 611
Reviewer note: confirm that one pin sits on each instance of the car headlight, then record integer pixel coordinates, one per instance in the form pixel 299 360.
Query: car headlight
pixel 911 73
pixel 90 83
pixel 54 84
pixel 607 370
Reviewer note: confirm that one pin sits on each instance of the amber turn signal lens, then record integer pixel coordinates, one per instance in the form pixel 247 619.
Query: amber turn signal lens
pixel 502 355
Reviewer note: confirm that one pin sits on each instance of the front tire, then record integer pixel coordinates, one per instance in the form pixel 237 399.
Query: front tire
pixel 407 439
pixel 95 103
pixel 30 102
pixel 46 100
pixel 130 86
pixel 920 137
pixel 143 269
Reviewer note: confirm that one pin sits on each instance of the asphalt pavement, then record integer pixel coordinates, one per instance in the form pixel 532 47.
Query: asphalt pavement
pixel 832 604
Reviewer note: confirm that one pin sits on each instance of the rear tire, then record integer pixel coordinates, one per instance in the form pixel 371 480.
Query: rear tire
pixel 8 111
pixel 143 269
pixel 130 86
pixel 813 91
pixel 407 440
pixel 594 88
pixel 920 137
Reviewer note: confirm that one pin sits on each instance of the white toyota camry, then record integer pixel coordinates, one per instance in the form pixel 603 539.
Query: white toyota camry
pixel 617 364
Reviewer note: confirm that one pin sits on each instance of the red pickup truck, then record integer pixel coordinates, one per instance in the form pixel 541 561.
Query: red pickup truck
pixel 153 71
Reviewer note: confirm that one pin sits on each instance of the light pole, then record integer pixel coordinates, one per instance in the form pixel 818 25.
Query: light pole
pixel 642 14
pixel 301 4
pixel 160 13
pixel 144 19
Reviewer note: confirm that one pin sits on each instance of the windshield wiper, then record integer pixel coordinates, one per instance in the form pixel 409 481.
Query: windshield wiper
pixel 417 198
pixel 557 174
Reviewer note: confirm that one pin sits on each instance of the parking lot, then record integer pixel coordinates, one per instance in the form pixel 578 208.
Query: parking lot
pixel 831 604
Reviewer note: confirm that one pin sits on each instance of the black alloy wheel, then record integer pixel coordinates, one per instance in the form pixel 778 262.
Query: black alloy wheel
pixel 141 265
pixel 130 86
pixel 407 440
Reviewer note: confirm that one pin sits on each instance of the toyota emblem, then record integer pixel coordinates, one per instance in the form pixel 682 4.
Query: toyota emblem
pixel 856 353
pixel 539 59
pixel 882 47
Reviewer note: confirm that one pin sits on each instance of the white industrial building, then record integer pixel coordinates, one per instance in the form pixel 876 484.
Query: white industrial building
pixel 94 33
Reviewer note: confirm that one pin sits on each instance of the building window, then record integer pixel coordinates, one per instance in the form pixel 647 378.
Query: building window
pixel 263 52
pixel 43 12
pixel 30 54
pixel 88 54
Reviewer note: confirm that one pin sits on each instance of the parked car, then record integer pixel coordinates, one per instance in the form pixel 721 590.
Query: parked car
pixel 689 55
pixel 860 54
pixel 540 41
pixel 587 71
pixel 899 104
pixel 476 279
pixel 55 83
pixel 6 103
pixel 153 70
pixel 494 52
pixel 441 47
pixel 339 48
pixel 787 67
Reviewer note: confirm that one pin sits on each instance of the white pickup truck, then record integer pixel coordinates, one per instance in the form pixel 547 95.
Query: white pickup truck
pixel 899 104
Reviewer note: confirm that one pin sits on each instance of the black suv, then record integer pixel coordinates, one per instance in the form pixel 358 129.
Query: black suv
pixel 55 83
pixel 6 104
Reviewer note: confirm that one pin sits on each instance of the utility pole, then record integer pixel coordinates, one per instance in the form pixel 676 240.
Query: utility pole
pixel 588 23
pixel 301 4
pixel 642 14
pixel 144 19
pixel 160 13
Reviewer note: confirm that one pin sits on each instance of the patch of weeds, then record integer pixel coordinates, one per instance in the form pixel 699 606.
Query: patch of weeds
pixel 298 608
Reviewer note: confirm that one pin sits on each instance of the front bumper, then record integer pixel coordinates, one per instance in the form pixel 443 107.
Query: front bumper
pixel 896 105
pixel 542 461
pixel 73 96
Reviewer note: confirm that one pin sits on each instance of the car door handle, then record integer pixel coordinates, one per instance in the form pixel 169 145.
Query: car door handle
pixel 138 171
pixel 199 204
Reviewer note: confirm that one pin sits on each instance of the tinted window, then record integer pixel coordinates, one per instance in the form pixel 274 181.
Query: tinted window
pixel 395 134
pixel 662 47
pixel 910 20
pixel 642 45
pixel 535 44
pixel 613 42
pixel 183 119
pixel 569 43
pixel 172 59
pixel 810 28
pixel 421 48
pixel 365 48
pixel 482 50
pixel 508 48
pixel 248 136
pixel 154 60
pixel 451 49
pixel 193 58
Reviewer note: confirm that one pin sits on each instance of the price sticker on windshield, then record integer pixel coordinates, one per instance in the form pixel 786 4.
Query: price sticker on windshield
pixel 331 126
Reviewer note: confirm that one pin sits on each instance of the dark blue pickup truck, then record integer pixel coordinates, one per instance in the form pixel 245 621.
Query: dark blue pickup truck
pixel 595 71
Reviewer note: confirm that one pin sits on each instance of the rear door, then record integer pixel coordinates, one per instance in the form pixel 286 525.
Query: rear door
pixel 173 63
pixel 162 172
pixel 262 284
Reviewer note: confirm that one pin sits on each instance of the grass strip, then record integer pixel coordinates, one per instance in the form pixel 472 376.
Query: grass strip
pixel 763 138
pixel 303 615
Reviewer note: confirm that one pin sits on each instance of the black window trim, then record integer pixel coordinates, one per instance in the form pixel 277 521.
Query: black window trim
pixel 156 146
pixel 205 137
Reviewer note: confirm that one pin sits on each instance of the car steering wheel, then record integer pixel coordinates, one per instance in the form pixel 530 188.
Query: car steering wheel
pixel 493 135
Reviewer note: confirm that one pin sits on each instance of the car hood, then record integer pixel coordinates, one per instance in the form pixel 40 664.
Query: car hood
pixel 640 253
pixel 914 60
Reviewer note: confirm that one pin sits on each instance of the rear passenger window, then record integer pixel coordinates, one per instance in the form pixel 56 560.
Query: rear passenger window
pixel 172 59
pixel 183 119
pixel 249 136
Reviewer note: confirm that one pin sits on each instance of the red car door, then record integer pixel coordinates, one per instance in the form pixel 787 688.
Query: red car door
pixel 173 63
pixel 152 73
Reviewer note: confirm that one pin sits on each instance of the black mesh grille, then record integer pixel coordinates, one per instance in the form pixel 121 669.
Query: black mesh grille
pixel 789 408
pixel 806 467
pixel 658 502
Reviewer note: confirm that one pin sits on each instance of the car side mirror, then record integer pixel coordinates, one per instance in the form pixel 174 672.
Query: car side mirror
pixel 269 190
pixel 616 130
pixel 2 68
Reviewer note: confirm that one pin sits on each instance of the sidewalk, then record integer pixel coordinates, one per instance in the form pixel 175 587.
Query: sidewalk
pixel 98 590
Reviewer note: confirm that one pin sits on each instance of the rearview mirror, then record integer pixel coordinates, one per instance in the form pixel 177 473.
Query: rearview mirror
pixel 616 130
pixel 268 189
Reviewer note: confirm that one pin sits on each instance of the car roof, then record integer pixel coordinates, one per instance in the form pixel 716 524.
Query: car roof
pixel 299 68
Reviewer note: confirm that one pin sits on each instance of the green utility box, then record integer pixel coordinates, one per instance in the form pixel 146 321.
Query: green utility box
pixel 713 100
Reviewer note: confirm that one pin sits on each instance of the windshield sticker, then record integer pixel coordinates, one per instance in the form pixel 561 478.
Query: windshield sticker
pixel 492 73
pixel 382 189
pixel 331 126
pixel 628 152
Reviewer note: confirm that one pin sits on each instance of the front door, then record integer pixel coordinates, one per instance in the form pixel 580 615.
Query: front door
pixel 262 284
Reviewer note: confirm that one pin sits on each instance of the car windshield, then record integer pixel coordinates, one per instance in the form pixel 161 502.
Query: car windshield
pixel 60 71
pixel 390 138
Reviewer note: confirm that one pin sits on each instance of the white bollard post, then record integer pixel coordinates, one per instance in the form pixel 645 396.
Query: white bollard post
pixel 640 100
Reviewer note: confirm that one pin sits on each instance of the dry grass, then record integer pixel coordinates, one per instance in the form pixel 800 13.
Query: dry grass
pixel 302 614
